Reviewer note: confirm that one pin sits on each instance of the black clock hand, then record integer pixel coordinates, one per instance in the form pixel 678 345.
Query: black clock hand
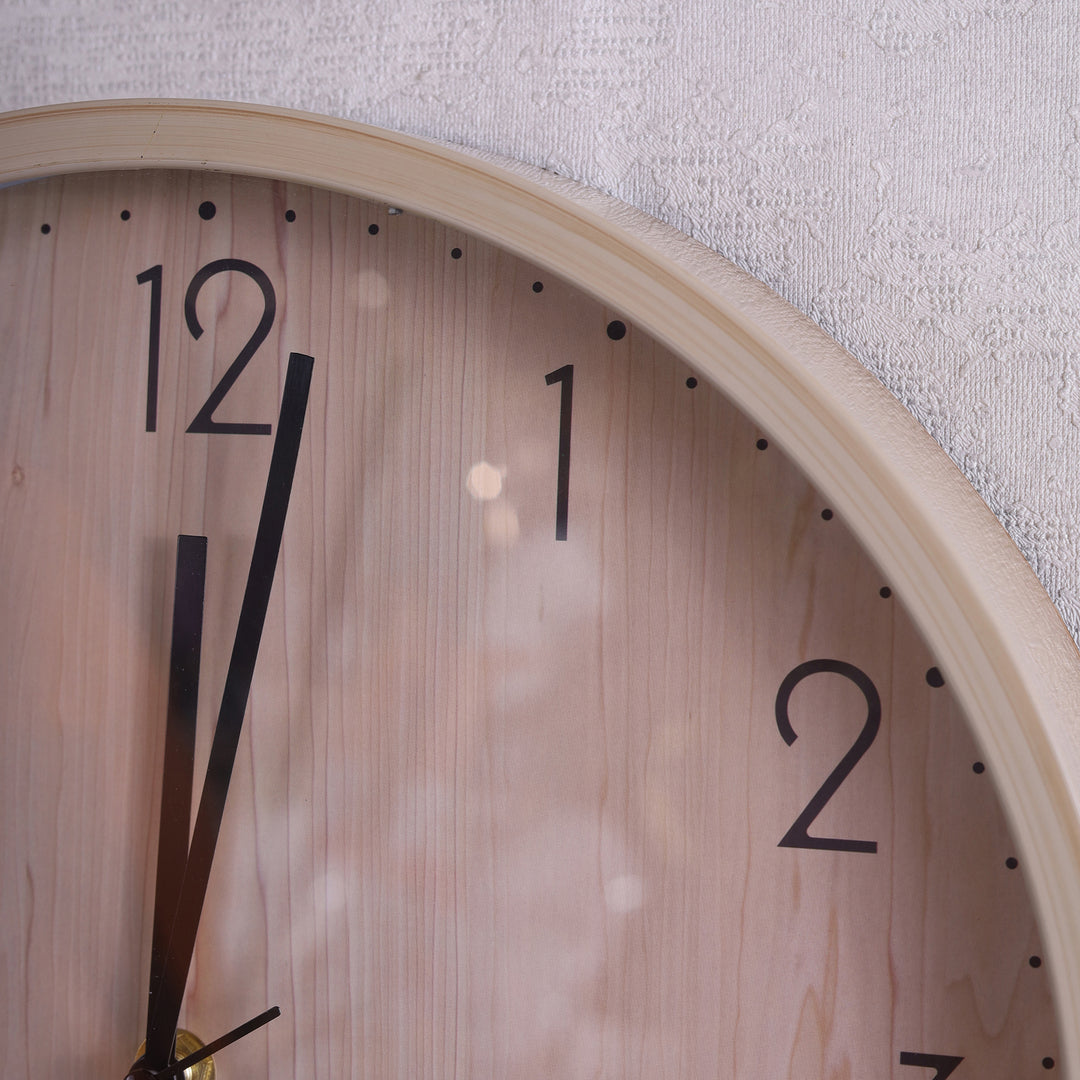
pixel 179 762
pixel 141 1072
pixel 219 1044
pixel 161 1030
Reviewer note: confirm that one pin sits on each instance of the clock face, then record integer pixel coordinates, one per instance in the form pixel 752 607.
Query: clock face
pixel 582 738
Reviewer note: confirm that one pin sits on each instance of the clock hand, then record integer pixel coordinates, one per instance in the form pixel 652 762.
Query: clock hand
pixel 141 1072
pixel 179 749
pixel 161 1031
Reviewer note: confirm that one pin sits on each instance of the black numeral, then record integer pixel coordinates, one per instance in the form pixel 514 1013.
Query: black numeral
pixel 204 422
pixel 153 275
pixel 564 375
pixel 798 836
pixel 942 1062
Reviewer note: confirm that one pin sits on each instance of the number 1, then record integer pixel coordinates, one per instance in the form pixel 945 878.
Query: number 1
pixel 153 275
pixel 565 375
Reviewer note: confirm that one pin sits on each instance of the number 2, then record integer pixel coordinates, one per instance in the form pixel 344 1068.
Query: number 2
pixel 204 422
pixel 798 836
pixel 944 1064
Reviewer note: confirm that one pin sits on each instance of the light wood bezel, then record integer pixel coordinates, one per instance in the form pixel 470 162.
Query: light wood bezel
pixel 1007 654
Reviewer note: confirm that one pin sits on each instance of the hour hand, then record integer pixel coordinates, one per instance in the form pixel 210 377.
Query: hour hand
pixel 179 762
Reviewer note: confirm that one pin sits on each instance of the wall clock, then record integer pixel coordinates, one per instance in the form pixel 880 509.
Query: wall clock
pixel 447 608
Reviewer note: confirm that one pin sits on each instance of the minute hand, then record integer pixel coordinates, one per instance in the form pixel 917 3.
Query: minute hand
pixel 162 1028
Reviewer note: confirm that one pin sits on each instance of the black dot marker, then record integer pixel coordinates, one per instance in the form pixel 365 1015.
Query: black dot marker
pixel 616 330
pixel 826 514
pixel 455 253
pixel 1047 1062
pixel 1035 961
pixel 935 678
pixel 125 215
pixel 207 210
pixel 1012 863
pixel 978 767
pixel 46 229
pixel 691 383
pixel 538 286
pixel 884 592
pixel 762 444
pixel 373 229
pixel 290 215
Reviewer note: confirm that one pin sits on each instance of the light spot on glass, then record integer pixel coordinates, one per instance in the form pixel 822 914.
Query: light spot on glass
pixel 624 894
pixel 484 481
pixel 501 526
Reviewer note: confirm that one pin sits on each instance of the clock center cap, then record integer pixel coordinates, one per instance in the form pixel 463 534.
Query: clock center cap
pixel 186 1044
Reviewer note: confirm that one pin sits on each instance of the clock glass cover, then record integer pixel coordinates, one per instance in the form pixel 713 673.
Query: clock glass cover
pixel 582 738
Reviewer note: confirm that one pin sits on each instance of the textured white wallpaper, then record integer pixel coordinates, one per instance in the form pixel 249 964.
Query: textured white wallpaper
pixel 907 173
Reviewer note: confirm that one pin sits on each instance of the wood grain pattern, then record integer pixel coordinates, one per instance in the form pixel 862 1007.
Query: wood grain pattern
pixel 504 805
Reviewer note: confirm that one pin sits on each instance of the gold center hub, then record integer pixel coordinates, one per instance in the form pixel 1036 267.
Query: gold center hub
pixel 186 1043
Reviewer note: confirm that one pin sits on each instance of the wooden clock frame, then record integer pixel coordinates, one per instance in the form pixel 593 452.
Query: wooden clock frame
pixel 1008 656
